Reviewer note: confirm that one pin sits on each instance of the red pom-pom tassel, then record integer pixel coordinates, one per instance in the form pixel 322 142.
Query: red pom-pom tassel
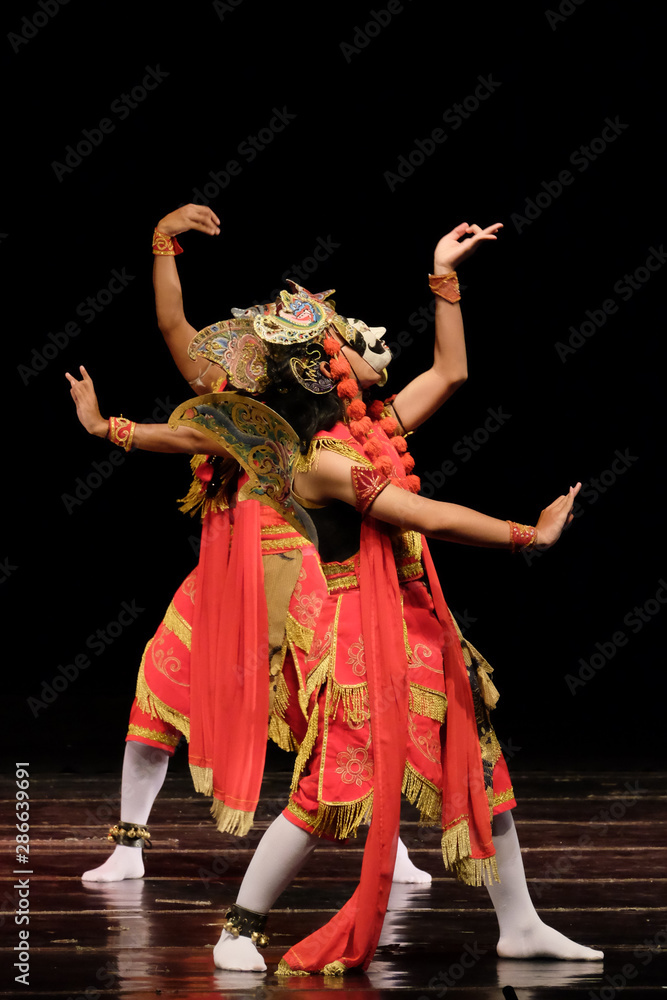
pixel 331 346
pixel 357 408
pixel 348 388
pixel 375 409
pixel 408 462
pixel 373 448
pixel 400 444
pixel 389 425
pixel 413 484
pixel 385 465
pixel 360 428
pixel 340 368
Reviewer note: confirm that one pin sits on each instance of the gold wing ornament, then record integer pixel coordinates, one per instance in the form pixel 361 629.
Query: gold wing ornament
pixel 263 444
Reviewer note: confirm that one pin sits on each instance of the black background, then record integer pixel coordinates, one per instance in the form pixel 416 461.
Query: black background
pixel 68 567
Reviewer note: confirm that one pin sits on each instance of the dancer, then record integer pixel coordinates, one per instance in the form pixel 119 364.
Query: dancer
pixel 160 713
pixel 465 843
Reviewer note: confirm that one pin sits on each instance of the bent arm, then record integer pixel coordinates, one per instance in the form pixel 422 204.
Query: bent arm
pixel 174 326
pixel 425 394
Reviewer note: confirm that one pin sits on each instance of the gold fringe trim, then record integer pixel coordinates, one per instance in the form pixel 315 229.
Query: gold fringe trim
pixel 153 706
pixel 338 819
pixel 286 970
pixel 341 448
pixel 202 779
pixel 423 794
pixel 299 635
pixel 176 623
pixel 281 734
pixel 228 820
pixel 431 704
pixel 195 499
pixel 306 747
pixel 354 698
pixel 281 697
pixel 477 871
pixel 317 675
pixel 336 968
pixel 456 856
pixel 153 734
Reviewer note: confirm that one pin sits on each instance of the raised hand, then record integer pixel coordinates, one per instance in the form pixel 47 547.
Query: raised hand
pixel 453 248
pixel 87 409
pixel 554 518
pixel 188 217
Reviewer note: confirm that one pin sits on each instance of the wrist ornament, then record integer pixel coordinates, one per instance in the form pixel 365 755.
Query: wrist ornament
pixel 165 246
pixel 522 536
pixel 446 286
pixel 121 432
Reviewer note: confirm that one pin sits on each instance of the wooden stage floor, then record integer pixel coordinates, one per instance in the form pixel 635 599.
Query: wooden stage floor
pixel 595 851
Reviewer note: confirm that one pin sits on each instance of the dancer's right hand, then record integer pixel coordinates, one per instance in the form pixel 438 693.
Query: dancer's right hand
pixel 188 217
pixel 87 408
pixel 554 518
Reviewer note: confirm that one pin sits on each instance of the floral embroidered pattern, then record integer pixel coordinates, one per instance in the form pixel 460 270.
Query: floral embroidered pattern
pixel 426 744
pixel 166 662
pixel 354 766
pixel 306 608
pixel 356 657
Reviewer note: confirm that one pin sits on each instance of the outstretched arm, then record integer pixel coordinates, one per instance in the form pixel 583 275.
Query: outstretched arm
pixel 147 437
pixel 332 480
pixel 426 393
pixel 171 319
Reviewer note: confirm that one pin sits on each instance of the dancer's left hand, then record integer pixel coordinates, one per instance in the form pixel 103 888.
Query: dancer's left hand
pixel 453 248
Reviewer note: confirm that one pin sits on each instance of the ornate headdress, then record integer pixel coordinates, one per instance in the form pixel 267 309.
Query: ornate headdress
pixel 298 326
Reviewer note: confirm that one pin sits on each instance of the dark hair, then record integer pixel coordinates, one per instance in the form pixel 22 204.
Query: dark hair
pixel 307 412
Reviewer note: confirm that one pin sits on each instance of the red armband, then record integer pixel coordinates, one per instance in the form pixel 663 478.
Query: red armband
pixel 368 484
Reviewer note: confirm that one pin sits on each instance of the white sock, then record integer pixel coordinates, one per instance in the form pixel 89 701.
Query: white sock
pixel 280 854
pixel 144 770
pixel 404 870
pixel 522 933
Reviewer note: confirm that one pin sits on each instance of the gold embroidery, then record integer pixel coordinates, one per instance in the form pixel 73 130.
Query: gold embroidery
pixel 153 706
pixel 347 450
pixel 426 744
pixel 153 734
pixel 507 796
pixel 407 545
pixel 273 544
pixel 176 623
pixel 354 766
